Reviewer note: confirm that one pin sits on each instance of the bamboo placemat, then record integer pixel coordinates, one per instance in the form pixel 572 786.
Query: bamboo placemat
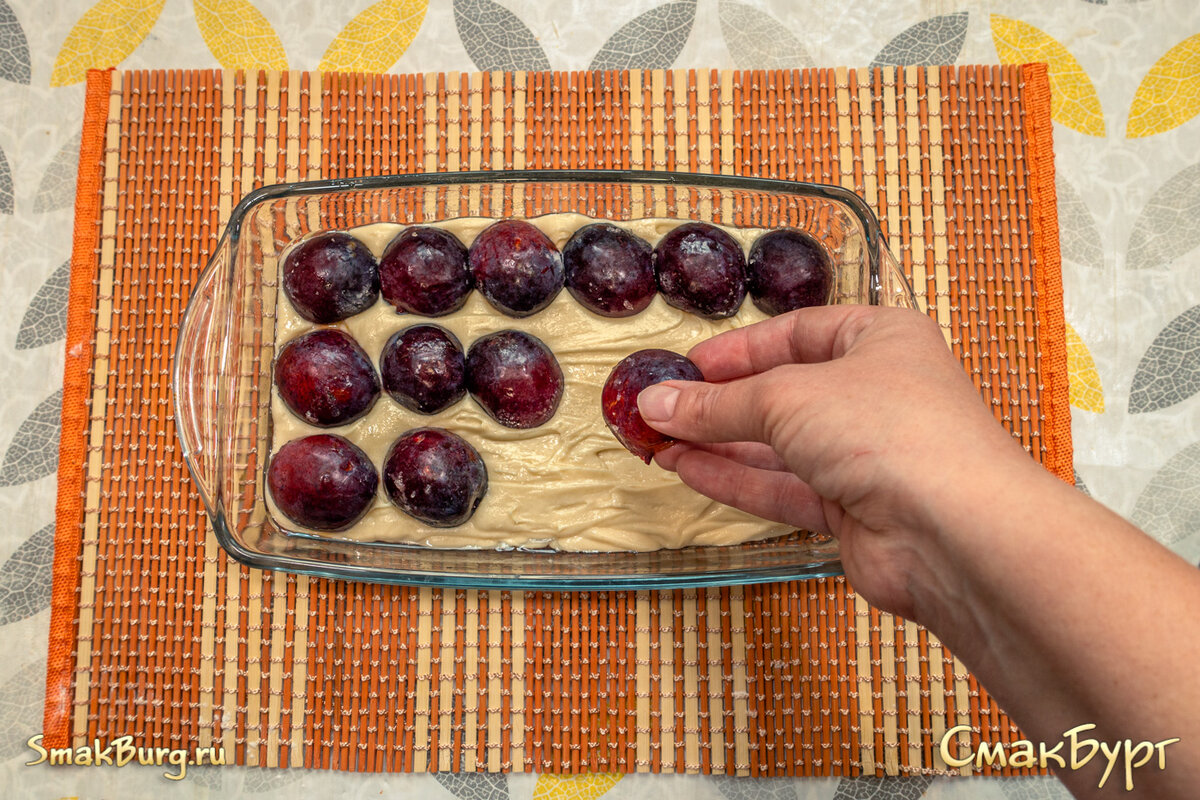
pixel 156 634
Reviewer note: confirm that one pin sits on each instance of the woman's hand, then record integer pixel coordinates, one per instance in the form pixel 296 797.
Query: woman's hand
pixel 859 421
pixel 855 420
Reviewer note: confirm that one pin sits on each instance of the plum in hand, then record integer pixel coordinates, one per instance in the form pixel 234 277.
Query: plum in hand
pixel 515 378
pixel 516 267
pixel 424 369
pixel 326 378
pixel 609 270
pixel 330 277
pixel 701 269
pixel 618 398
pixel 435 476
pixel 424 271
pixel 322 482
pixel 788 269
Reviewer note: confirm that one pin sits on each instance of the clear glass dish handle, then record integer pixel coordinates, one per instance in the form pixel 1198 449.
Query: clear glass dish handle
pixel 893 286
pixel 198 372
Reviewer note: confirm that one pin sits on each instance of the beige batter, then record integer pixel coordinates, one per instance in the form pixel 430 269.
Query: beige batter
pixel 568 484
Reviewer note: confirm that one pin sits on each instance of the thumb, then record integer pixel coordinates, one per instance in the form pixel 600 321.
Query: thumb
pixel 708 412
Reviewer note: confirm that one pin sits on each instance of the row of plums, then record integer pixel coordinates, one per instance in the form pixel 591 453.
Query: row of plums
pixel 427 271
pixel 326 378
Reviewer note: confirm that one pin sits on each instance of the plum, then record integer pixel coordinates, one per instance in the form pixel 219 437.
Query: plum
pixel 326 378
pixel 424 271
pixel 515 378
pixel 618 398
pixel 435 476
pixel 516 267
pixel 609 270
pixel 788 269
pixel 330 277
pixel 322 482
pixel 701 269
pixel 424 369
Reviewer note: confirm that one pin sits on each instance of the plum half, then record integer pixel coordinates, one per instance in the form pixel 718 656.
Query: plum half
pixel 330 277
pixel 424 271
pixel 788 269
pixel 326 378
pixel 515 378
pixel 618 398
pixel 435 476
pixel 701 269
pixel 423 368
pixel 516 267
pixel 322 482
pixel 609 270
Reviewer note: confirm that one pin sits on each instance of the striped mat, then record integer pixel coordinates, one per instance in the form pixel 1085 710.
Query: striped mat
pixel 156 634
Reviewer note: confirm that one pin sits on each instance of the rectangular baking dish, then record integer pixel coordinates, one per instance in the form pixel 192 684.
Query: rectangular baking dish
pixel 222 376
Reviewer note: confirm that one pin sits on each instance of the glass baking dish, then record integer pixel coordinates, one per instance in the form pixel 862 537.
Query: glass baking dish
pixel 223 364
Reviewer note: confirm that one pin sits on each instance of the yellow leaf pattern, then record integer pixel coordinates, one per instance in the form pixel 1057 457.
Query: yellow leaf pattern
pixel 573 787
pixel 239 35
pixel 1073 98
pixel 1085 389
pixel 1169 95
pixel 375 39
pixel 104 37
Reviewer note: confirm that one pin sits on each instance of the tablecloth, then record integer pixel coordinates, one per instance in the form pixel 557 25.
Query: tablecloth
pixel 1126 88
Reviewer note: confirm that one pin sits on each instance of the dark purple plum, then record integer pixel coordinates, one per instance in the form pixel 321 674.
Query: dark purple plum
pixel 609 270
pixel 788 269
pixel 701 269
pixel 330 277
pixel 423 368
pixel 322 482
pixel 325 378
pixel 516 267
pixel 515 378
pixel 435 476
pixel 424 271
pixel 618 399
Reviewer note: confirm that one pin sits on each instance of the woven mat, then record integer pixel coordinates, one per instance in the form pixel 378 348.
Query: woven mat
pixel 155 633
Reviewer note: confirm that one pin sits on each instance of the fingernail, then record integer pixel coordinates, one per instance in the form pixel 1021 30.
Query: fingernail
pixel 657 403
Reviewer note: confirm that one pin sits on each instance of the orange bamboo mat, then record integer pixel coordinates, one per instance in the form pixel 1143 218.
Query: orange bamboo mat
pixel 155 633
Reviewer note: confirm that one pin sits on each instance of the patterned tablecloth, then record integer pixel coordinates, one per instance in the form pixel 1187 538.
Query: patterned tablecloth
pixel 1126 83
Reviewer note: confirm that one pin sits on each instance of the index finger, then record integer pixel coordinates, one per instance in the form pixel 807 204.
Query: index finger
pixel 804 336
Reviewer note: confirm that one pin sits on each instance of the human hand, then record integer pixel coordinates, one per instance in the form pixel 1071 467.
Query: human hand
pixel 859 421
pixel 853 420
